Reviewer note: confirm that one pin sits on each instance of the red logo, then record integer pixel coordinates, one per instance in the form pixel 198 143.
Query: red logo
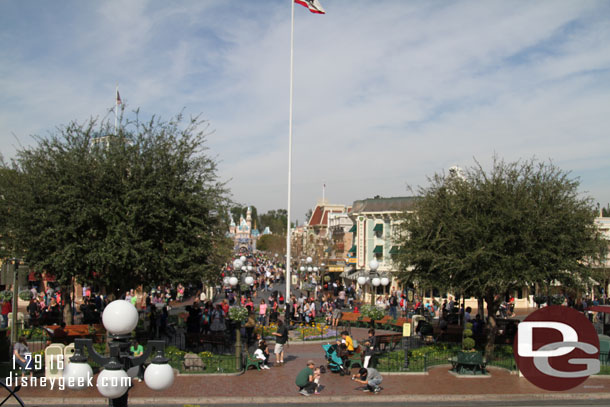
pixel 557 348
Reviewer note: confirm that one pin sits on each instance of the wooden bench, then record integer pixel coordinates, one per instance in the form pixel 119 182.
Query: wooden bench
pixel 385 341
pixel 468 363
pixel 349 318
pixel 75 331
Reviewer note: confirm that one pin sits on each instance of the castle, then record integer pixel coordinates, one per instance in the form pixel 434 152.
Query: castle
pixel 244 237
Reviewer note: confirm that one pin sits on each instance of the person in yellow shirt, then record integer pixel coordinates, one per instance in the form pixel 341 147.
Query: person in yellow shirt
pixel 347 340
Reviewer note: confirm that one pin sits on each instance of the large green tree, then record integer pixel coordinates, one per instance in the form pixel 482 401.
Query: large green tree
pixel 117 210
pixel 485 233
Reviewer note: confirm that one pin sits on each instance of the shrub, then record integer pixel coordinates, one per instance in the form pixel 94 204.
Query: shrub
pixel 238 314
pixel 25 295
pixel 373 312
pixel 6 295
pixel 468 344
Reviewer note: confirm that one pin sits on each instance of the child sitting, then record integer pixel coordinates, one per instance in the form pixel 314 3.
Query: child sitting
pixel 262 353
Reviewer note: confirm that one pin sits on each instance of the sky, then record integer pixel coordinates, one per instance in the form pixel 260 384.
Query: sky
pixel 386 93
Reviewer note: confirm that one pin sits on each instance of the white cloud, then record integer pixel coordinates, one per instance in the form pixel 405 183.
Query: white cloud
pixel 384 95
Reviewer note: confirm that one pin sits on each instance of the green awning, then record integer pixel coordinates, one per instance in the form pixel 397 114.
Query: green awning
pixel 353 229
pixel 394 250
pixel 378 250
pixel 353 249
pixel 378 227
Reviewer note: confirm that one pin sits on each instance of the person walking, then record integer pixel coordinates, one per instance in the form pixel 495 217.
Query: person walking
pixel 369 350
pixel 281 338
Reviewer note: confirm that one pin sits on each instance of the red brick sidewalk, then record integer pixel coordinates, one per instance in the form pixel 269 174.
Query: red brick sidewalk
pixel 277 385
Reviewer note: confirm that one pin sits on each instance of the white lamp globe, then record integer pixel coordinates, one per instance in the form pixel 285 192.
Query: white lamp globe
pixel 159 376
pixel 302 269
pixel 385 281
pixel 249 280
pixel 77 375
pixel 120 317
pixel 361 280
pixel 374 265
pixel 315 269
pixel 309 269
pixel 244 268
pixel 309 260
pixel 275 254
pixel 225 281
pixel 233 281
pixel 249 268
pixel 112 384
pixel 237 264
pixel 243 259
pixel 376 281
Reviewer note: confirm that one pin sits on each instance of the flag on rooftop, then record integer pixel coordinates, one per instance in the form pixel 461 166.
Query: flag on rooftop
pixel 313 5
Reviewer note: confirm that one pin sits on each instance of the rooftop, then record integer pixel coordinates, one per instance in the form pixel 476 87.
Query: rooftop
pixel 395 204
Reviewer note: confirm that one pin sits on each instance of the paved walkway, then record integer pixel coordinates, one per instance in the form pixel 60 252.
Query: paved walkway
pixel 276 386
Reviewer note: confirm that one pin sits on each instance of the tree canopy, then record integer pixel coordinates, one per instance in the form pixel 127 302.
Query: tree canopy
pixel 485 233
pixel 118 210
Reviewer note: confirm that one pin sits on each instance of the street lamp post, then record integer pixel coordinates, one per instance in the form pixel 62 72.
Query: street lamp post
pixel 375 281
pixel 119 318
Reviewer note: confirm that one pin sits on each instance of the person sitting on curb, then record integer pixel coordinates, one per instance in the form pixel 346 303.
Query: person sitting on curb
pixel 369 376
pixel 306 380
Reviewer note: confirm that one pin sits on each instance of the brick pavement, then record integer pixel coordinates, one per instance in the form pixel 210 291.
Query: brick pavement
pixel 277 386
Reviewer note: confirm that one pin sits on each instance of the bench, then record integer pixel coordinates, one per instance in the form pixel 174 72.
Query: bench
pixel 75 331
pixel 468 363
pixel 349 318
pixel 194 340
pixel 385 341
pixel 252 360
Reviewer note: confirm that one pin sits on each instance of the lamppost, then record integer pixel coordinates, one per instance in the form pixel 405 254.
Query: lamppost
pixel 119 319
pixel 240 268
pixel 373 279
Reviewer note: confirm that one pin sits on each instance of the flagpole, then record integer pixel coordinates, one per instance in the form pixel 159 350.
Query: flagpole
pixel 288 257
pixel 116 108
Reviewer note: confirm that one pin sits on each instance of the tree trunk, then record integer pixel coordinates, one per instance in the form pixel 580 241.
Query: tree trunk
pixel 481 307
pixel 492 326
pixel 66 296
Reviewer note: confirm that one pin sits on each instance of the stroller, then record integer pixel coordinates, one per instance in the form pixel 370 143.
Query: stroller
pixel 335 363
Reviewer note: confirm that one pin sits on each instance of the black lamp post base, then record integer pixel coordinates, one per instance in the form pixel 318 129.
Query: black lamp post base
pixel 120 402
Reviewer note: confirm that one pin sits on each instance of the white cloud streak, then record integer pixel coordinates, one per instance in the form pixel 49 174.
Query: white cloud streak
pixel 384 95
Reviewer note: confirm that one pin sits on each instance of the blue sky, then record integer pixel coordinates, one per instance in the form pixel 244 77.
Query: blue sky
pixel 386 92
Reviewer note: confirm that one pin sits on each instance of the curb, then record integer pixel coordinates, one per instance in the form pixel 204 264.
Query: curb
pixel 413 398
